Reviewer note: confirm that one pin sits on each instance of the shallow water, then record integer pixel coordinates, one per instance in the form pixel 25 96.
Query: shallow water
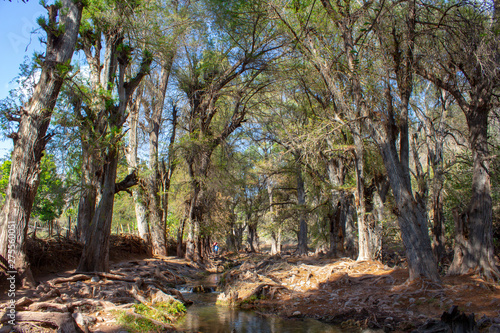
pixel 205 316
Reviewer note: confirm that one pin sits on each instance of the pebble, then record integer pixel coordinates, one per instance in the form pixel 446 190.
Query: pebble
pixel 296 313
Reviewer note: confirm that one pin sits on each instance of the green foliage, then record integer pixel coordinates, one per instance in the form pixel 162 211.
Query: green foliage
pixel 163 312
pixel 4 179
pixel 139 325
pixel 50 199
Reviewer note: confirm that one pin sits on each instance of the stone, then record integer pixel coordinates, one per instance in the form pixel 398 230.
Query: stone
pixel 495 328
pixel 161 297
pixel 296 313
pixel 83 320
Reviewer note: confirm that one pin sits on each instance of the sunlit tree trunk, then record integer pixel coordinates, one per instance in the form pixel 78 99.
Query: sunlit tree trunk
pixel 31 138
pixel 301 201
pixel 133 143
pixel 95 256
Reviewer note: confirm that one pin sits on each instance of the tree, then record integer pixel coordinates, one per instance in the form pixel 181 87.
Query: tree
pixel 110 115
pixel 345 68
pixel 30 139
pixel 466 38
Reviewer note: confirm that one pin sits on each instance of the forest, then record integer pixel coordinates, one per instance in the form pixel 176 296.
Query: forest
pixel 365 131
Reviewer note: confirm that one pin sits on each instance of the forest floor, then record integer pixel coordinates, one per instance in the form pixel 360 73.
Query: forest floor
pixel 342 291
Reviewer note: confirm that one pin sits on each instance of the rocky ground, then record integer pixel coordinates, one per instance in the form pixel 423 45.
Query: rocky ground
pixel 356 294
pixel 352 294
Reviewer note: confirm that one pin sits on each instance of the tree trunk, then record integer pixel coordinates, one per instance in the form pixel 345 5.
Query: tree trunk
pixel 95 256
pixel 157 220
pixel 301 201
pixel 140 207
pixel 90 182
pixel 412 217
pixel 476 252
pixel 31 138
pixel 252 236
pixel 195 213
pixel 364 252
pixel 180 236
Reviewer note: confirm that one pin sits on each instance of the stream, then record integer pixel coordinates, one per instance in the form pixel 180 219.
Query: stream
pixel 205 316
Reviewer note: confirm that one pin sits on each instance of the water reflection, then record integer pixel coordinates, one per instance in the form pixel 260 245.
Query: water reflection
pixel 205 316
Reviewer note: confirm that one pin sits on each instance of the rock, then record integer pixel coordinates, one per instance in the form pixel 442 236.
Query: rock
pixel 161 297
pixel 451 321
pixel 483 322
pixel 85 291
pixel 95 279
pixel 6 329
pixel 296 314
pixel 83 320
pixel 495 328
pixel 230 298
pixel 24 301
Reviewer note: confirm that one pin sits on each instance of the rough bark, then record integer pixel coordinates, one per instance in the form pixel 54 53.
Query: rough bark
pixel 157 222
pixel 364 250
pixel 412 217
pixel 301 201
pixel 475 251
pixel 275 238
pixel 95 256
pixel 31 138
pixel 140 207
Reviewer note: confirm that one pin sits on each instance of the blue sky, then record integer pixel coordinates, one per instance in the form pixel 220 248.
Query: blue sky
pixel 17 21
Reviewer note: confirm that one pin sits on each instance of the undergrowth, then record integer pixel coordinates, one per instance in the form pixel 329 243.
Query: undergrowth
pixel 162 312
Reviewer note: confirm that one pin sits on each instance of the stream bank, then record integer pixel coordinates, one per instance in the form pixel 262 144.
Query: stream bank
pixel 353 295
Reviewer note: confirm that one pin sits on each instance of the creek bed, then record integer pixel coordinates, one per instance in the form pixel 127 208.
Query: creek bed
pixel 205 316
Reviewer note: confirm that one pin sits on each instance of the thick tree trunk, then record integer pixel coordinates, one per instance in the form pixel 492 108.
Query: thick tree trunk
pixel 301 201
pixel 95 256
pixel 31 138
pixel 193 250
pixel 157 220
pixel 412 217
pixel 364 252
pixel 438 238
pixel 90 182
pixel 140 207
pixel 476 251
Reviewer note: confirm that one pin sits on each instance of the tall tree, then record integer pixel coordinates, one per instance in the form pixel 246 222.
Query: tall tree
pixel 30 139
pixel 466 40
pixel 117 62
pixel 344 73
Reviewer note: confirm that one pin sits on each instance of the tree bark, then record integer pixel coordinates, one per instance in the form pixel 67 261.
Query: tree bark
pixel 140 207
pixel 157 221
pixel 476 251
pixel 31 138
pixel 95 256
pixel 412 216
pixel 301 201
